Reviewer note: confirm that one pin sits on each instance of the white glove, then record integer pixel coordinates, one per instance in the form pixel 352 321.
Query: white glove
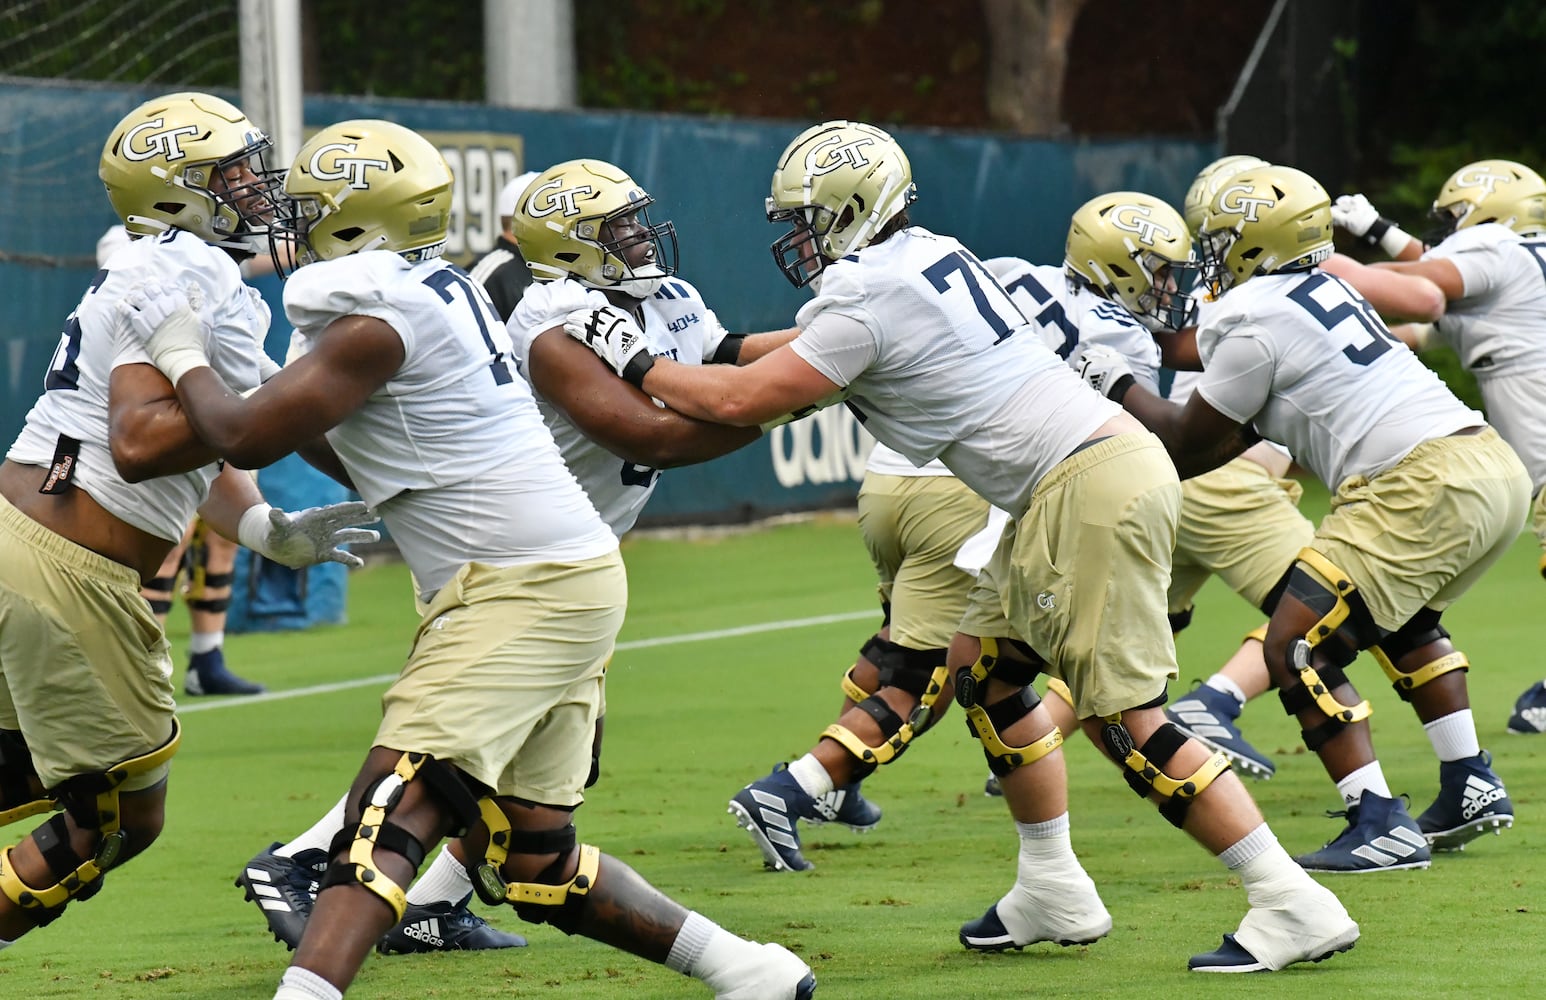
pixel 164 318
pixel 309 536
pixel 1353 214
pixel 615 338
pixel 1105 370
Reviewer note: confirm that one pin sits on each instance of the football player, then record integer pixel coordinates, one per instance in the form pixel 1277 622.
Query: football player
pixel 1488 261
pixel 406 371
pixel 97 489
pixel 917 331
pixel 1427 495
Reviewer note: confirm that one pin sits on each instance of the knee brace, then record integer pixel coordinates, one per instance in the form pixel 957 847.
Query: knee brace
pixel 160 585
pixel 1057 687
pixel 873 650
pixel 986 722
pixel 17 773
pixel 1259 633
pixel 1142 768
pixel 558 902
pixel 375 831
pixel 919 672
pixel 1424 629
pixel 1180 619
pixel 91 800
pixel 1341 610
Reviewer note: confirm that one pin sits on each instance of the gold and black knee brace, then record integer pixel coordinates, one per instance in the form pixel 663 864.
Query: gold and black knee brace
pixel 91 800
pixel 1423 630
pixel 560 902
pixel 1342 611
pixel 1143 767
pixel 919 672
pixel 200 580
pixel 986 722
pixel 19 782
pixel 376 832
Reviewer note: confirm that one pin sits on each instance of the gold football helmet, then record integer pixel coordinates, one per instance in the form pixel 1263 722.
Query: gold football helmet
pixel 1263 221
pixel 837 184
pixel 190 161
pixel 363 185
pixel 589 220
pixel 1134 249
pixel 1200 195
pixel 1499 191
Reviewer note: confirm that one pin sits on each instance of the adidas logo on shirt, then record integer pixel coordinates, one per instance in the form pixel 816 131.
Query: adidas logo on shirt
pixel 426 931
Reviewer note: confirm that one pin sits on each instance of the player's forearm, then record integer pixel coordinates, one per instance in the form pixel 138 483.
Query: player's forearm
pixel 716 393
pixel 225 421
pixel 756 345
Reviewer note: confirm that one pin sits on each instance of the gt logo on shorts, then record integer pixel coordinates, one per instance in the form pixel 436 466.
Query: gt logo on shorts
pixel 830 154
pixel 164 144
pixel 344 168
pixel 1046 601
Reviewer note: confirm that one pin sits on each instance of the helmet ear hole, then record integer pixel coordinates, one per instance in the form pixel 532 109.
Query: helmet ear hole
pixel 348 234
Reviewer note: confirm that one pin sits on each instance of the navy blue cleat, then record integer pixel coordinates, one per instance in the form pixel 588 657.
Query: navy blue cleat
pixel 1530 711
pixel 208 674
pixel 768 809
pixel 284 889
pixel 1380 836
pixel 847 807
pixel 1208 716
pixel 1471 802
pixel 993 788
pixel 444 926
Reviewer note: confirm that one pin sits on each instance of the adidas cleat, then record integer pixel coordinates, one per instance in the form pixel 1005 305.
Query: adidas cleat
pixel 208 674
pixel 444 926
pixel 846 807
pixel 1299 923
pixel 1530 711
pixel 768 809
pixel 285 889
pixel 1471 802
pixel 1231 957
pixel 1380 836
pixel 1074 915
pixel 1208 716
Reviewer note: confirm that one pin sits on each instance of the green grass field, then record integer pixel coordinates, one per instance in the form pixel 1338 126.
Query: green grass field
pixel 692 717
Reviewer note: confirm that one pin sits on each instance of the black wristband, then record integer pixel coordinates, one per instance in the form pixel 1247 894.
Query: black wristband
pixel 1377 231
pixel 1119 388
pixel 637 367
pixel 729 350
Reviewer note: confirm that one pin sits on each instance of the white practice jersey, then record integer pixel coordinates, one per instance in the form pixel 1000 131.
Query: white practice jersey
pixel 1306 359
pixel 946 366
pixel 677 325
pixel 1070 317
pixel 888 461
pixel 74 404
pixel 1499 326
pixel 451 452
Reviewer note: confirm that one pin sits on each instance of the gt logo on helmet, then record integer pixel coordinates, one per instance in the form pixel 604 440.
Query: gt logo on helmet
pixel 542 204
pixel 344 168
pixel 831 154
pixel 1484 179
pixel 164 144
pixel 1234 200
pixel 1135 219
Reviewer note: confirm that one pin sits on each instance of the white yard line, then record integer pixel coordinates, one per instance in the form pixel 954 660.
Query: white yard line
pixel 664 640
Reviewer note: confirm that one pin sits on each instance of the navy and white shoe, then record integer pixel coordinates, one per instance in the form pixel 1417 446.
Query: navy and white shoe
pixel 1471 802
pixel 1381 836
pixel 993 788
pixel 1303 922
pixel 846 807
pixel 1080 918
pixel 775 974
pixel 1208 716
pixel 1529 715
pixel 768 809
pixel 285 889
pixel 208 674
pixel 444 926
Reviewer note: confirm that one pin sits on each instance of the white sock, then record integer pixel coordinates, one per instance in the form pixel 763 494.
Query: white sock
pixel 1046 855
pixel 320 836
pixel 1454 736
pixel 445 880
pixel 1262 864
pixel 303 984
pixel 1220 683
pixel 204 642
pixel 707 952
pixel 811 776
pixel 1369 778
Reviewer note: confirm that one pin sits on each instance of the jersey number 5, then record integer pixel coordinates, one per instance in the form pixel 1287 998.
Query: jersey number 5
pixel 1351 307
pixel 64 368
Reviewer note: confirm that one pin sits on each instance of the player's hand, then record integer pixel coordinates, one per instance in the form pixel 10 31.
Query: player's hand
pixel 1105 370
pixel 1353 214
pixel 164 318
pixel 306 537
pixel 615 338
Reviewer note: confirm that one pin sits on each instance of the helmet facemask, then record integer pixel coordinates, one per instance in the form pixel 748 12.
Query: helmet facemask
pixel 636 254
pixel 798 252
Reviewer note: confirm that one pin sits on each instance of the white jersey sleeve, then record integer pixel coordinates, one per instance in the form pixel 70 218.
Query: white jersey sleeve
pixel 74 404
pixel 1499 326
pixel 890 462
pixel 451 451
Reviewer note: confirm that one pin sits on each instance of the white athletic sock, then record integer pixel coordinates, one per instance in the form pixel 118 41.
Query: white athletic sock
pixel 1220 683
pixel 320 836
pixel 1046 859
pixel 1369 778
pixel 1265 869
pixel 1454 736
pixel 204 642
pixel 303 984
pixel 811 776
pixel 709 953
pixel 445 880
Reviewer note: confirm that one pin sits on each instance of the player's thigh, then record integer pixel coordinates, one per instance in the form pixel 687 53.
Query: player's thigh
pixel 1240 523
pixel 928 594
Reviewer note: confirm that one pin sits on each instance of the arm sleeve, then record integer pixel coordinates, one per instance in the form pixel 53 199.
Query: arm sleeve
pixel 1238 378
pixel 837 345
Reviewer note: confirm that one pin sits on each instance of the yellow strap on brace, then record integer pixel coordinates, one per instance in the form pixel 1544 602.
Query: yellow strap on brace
pixel 851 690
pixel 488 878
pixel 1299 652
pixel 897 741
pixel 1185 788
pixel 1057 687
pixel 987 733
pixel 1404 682
pixel 363 848
pixel 1259 633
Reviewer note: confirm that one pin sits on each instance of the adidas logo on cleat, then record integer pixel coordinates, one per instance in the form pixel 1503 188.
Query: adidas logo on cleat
pixel 426 932
pixel 1478 796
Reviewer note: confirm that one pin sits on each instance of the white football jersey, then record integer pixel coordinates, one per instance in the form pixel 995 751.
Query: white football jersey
pixel 1070 317
pixel 1313 366
pixel 890 462
pixel 74 403
pixel 951 369
pixel 677 325
pixel 451 451
pixel 1499 326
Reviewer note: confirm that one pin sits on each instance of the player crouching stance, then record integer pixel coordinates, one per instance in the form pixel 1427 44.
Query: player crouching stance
pixel 403 373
